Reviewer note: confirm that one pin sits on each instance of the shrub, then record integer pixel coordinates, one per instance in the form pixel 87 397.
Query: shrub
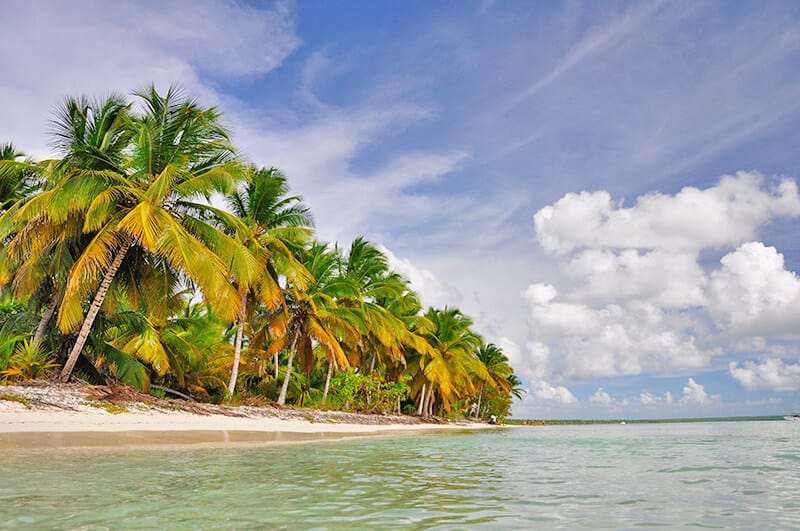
pixel 358 392
pixel 29 362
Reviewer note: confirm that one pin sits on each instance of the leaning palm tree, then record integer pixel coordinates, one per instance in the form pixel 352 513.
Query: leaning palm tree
pixel 179 153
pixel 271 224
pixel 90 136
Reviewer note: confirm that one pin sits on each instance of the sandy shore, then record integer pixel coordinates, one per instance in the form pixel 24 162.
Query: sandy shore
pixel 47 416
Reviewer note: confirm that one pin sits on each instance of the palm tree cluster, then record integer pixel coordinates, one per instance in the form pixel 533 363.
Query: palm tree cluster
pixel 150 254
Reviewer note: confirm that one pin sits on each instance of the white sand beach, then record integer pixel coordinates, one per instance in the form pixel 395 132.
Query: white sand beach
pixel 70 410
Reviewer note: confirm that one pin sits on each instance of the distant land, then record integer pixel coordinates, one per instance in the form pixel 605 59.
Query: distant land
pixel 562 422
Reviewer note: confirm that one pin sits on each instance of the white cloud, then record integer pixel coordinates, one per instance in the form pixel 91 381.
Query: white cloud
pixel 753 293
pixel 613 340
pixel 772 374
pixel 560 394
pixel 601 397
pixel 319 156
pixel 695 394
pixel 638 298
pixel 649 399
pixel 84 47
pixel 667 279
pixel 723 215
pixel 431 290
pixel 222 37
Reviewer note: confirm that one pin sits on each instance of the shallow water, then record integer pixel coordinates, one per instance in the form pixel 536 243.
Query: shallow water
pixel 727 474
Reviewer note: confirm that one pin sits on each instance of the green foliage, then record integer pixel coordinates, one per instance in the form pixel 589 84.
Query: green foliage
pixel 14 328
pixel 28 362
pixel 356 392
pixel 158 393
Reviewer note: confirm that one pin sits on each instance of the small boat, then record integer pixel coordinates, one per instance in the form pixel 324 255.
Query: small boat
pixel 792 417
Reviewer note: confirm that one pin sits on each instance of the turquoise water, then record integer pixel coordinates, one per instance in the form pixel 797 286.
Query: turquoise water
pixel 730 475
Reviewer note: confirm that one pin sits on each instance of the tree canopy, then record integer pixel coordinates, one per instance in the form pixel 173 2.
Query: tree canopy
pixel 120 263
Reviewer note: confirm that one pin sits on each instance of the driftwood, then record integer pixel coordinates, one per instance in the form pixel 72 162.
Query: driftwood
pixel 173 392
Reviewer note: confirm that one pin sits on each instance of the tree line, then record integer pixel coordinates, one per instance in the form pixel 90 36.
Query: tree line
pixel 119 264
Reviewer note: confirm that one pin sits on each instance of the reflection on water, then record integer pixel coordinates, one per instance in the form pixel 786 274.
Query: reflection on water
pixel 717 474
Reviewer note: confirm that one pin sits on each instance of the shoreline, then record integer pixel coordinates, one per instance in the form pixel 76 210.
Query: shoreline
pixel 46 416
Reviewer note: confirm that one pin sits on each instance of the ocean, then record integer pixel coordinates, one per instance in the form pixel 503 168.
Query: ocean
pixel 713 474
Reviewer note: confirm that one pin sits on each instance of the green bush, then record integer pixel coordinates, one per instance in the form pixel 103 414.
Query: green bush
pixel 28 362
pixel 356 392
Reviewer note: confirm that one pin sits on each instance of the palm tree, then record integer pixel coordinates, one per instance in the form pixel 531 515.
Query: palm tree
pixel 18 179
pixel 446 372
pixel 498 370
pixel 271 225
pixel 312 315
pixel 91 136
pixel 179 153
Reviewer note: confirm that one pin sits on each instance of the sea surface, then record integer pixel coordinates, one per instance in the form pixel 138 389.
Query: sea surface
pixel 719 475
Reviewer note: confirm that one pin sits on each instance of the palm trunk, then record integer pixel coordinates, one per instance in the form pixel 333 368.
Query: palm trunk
pixel 478 410
pixel 327 382
pixel 275 362
pixel 429 402
pixel 237 350
pixel 46 316
pixel 285 386
pixel 94 309
pixel 421 406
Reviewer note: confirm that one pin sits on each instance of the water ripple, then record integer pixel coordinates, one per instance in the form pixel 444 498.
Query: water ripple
pixel 729 475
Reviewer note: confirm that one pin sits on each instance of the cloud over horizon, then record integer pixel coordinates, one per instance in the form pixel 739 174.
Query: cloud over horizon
pixel 641 301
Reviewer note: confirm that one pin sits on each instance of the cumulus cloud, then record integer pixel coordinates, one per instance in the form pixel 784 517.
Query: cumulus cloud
pixel 637 298
pixel 601 397
pixel 609 341
pixel 754 293
pixel 723 215
pixel 695 394
pixel 560 394
pixel 667 279
pixel 649 399
pixel 772 374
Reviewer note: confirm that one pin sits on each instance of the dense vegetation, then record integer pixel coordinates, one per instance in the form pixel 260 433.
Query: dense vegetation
pixel 119 264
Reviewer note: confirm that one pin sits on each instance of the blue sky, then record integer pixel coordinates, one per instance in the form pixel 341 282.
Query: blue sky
pixel 609 189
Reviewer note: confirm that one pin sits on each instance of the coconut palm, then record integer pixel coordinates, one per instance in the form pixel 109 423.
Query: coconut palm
pixel 271 224
pixel 179 153
pixel 18 179
pixel 313 315
pixel 446 372
pixel 498 370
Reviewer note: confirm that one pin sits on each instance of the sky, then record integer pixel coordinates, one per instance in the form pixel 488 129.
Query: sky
pixel 609 189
